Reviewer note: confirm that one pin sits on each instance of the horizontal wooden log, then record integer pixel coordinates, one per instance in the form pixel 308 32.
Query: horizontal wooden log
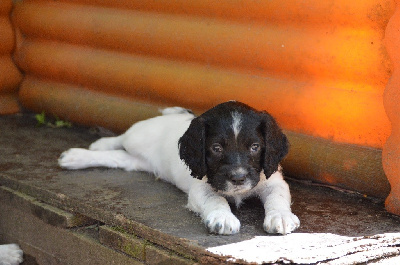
pixel 347 166
pixel 333 111
pixel 291 50
pixel 83 106
pixel 372 13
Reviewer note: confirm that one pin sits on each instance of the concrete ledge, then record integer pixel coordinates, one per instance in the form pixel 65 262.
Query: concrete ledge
pixel 117 238
pixel 50 220
pixel 109 216
pixel 44 243
pixel 48 214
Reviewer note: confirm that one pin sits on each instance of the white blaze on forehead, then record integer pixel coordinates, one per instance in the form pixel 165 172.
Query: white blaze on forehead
pixel 237 123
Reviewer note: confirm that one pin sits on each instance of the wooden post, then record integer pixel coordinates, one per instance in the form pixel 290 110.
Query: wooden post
pixel 10 77
pixel 391 150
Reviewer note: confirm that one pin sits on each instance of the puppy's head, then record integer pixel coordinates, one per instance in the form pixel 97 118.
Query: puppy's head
pixel 231 144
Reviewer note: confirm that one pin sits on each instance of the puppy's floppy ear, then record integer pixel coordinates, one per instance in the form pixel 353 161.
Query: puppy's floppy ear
pixel 192 148
pixel 276 144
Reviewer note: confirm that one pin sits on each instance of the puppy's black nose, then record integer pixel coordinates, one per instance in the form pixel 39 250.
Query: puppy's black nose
pixel 238 179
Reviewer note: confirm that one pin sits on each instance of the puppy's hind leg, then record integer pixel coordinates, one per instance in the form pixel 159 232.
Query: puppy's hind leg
pixel 107 143
pixel 79 158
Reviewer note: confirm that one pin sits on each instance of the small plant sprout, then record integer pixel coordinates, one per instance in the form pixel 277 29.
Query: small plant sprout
pixel 55 123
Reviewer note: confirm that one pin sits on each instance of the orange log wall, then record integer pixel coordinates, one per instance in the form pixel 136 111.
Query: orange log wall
pixel 320 67
pixel 10 77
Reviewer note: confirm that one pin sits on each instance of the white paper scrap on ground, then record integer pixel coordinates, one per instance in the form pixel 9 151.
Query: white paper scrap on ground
pixel 307 248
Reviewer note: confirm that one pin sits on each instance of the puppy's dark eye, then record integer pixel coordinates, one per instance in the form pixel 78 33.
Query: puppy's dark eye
pixel 255 147
pixel 217 148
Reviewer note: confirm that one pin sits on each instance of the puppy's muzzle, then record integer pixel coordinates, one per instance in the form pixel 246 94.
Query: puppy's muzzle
pixel 238 176
pixel 238 179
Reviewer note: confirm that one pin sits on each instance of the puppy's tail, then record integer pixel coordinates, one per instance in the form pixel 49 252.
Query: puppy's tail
pixel 175 110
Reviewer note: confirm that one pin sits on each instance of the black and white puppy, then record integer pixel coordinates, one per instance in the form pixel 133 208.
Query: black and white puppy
pixel 230 152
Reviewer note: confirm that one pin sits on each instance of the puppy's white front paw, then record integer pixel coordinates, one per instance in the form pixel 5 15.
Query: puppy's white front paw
pixel 10 254
pixel 222 222
pixel 280 222
pixel 74 158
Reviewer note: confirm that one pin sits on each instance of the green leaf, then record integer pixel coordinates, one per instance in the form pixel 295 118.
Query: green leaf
pixel 41 119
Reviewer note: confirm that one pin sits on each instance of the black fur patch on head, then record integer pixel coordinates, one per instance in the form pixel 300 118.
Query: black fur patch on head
pixel 276 144
pixel 216 126
pixel 191 148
